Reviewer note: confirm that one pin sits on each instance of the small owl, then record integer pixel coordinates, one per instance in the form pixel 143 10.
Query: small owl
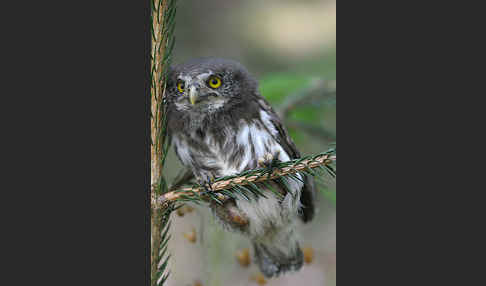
pixel 220 125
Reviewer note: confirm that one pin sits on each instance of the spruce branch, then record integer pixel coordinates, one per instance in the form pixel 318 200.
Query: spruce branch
pixel 162 28
pixel 323 161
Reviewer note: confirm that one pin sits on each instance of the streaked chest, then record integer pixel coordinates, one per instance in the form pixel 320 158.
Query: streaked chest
pixel 229 151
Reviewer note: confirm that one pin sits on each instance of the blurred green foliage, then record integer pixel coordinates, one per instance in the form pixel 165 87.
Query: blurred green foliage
pixel 276 87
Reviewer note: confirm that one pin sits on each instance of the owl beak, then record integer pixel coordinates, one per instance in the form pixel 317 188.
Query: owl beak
pixel 193 94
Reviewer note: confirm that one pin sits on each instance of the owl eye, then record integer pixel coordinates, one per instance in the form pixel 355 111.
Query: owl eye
pixel 214 82
pixel 180 86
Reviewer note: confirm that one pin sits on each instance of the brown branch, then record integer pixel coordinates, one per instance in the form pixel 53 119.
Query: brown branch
pixel 157 89
pixel 157 94
pixel 322 160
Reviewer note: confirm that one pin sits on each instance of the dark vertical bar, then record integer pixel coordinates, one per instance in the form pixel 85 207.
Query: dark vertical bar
pixel 82 129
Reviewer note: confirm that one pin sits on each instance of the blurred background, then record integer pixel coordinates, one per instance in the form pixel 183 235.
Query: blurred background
pixel 290 46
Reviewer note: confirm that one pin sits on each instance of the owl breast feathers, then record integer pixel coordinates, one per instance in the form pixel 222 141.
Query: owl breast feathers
pixel 220 125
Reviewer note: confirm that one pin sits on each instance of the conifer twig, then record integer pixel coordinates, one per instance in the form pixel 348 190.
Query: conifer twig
pixel 249 177
pixel 162 18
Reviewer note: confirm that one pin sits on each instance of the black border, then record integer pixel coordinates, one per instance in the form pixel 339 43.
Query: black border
pixel 79 185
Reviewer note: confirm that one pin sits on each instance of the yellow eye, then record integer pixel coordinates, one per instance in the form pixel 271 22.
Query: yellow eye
pixel 214 82
pixel 180 87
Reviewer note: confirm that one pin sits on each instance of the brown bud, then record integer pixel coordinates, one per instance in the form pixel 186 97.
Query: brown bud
pixel 260 279
pixel 243 257
pixel 185 209
pixel 198 283
pixel 180 211
pixel 191 236
pixel 308 254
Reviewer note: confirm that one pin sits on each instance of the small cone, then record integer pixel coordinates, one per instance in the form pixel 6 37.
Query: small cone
pixel 185 209
pixel 188 209
pixel 308 254
pixel 191 236
pixel 259 279
pixel 243 257
pixel 180 212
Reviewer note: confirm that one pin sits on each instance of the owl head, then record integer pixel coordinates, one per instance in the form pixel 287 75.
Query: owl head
pixel 207 85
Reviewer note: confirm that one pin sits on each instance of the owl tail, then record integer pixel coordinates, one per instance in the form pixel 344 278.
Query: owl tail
pixel 274 259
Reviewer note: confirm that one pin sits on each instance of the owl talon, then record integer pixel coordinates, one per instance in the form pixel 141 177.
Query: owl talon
pixel 206 184
pixel 208 188
pixel 269 162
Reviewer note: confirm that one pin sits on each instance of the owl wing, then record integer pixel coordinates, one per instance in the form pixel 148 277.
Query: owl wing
pixel 283 138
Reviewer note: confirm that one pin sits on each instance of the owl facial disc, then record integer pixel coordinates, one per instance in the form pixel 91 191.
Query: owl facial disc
pixel 197 90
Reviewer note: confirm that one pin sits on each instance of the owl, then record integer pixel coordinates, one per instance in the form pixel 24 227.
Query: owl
pixel 220 125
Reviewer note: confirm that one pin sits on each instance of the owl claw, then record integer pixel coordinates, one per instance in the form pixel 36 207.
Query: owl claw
pixel 206 184
pixel 208 188
pixel 269 162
